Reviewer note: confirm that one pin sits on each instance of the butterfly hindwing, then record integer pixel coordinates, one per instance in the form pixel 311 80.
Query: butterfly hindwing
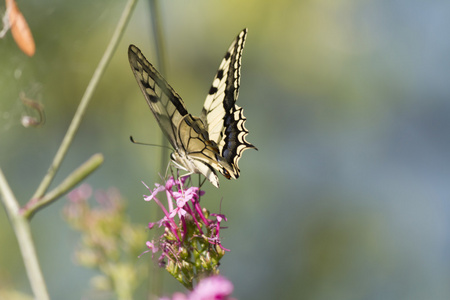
pixel 224 119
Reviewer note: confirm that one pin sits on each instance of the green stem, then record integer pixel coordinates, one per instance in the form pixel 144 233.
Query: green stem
pixel 74 125
pixel 161 57
pixel 66 185
pixel 155 284
pixel 22 230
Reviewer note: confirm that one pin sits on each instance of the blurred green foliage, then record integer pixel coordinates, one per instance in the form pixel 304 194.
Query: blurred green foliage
pixel 347 102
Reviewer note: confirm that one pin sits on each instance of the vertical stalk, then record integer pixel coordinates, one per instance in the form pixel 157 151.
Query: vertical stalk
pixel 22 230
pixel 156 283
pixel 161 57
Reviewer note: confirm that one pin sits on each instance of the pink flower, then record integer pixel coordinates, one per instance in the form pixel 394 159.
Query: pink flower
pixel 158 189
pixel 212 288
pixel 176 296
pixel 81 193
pixel 154 248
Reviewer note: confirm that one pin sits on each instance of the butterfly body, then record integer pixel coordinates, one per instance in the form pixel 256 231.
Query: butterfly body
pixel 213 142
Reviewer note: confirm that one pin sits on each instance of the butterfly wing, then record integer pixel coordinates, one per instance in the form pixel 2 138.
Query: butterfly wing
pixel 166 105
pixel 194 152
pixel 217 139
pixel 224 120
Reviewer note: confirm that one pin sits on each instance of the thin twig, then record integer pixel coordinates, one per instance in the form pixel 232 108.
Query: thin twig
pixel 66 185
pixel 74 125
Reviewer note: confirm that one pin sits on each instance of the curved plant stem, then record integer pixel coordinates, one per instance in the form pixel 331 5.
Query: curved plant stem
pixel 75 124
pixel 66 185
pixel 22 230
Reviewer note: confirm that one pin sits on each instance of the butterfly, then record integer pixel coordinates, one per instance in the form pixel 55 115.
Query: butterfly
pixel 215 140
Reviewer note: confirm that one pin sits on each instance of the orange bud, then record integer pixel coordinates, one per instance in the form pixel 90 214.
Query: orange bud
pixel 19 29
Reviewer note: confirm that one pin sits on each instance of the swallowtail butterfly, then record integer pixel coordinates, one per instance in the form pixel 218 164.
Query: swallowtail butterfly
pixel 216 140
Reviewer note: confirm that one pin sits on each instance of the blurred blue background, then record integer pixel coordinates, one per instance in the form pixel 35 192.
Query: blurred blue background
pixel 347 101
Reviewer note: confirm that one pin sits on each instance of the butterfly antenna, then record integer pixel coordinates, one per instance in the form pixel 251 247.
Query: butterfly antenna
pixel 146 144
pixel 200 184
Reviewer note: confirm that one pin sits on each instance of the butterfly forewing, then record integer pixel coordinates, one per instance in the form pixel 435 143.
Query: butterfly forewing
pixel 166 105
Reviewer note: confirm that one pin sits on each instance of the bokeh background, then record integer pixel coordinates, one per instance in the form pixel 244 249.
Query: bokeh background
pixel 348 102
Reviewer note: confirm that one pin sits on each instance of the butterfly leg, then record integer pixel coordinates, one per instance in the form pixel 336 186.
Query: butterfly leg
pixel 200 184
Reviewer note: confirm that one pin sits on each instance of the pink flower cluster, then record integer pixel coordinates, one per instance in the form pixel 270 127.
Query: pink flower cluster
pixel 183 202
pixel 190 245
